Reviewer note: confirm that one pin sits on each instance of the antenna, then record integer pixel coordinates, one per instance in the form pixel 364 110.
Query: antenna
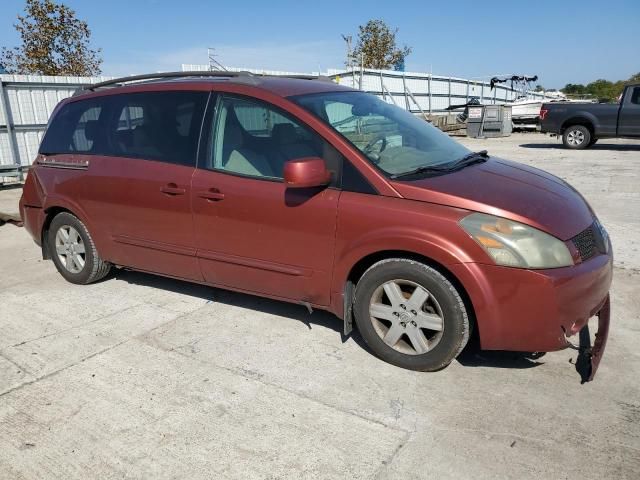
pixel 214 65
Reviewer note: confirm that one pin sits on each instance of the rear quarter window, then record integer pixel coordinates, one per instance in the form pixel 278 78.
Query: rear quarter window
pixel 73 129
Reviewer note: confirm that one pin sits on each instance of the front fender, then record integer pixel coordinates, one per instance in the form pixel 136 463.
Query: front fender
pixel 418 228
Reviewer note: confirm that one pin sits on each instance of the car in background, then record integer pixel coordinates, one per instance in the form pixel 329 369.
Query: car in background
pixel 582 124
pixel 309 192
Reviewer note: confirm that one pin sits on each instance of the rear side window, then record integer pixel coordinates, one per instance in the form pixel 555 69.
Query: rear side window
pixel 162 126
pixel 73 129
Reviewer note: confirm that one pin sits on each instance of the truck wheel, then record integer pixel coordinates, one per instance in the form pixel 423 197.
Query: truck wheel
pixel 73 251
pixel 576 137
pixel 410 315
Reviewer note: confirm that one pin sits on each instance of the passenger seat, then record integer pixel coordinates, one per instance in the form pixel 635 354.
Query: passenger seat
pixel 240 159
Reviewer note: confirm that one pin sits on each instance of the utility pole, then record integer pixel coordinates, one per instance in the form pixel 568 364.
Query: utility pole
pixel 350 63
pixel 214 65
pixel 349 40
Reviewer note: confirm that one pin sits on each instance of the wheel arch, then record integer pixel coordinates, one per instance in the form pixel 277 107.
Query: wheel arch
pixel 583 120
pixel 364 263
pixel 51 210
pixel 50 214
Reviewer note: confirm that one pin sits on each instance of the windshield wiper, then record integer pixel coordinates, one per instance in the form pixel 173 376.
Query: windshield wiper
pixel 469 159
pixel 417 171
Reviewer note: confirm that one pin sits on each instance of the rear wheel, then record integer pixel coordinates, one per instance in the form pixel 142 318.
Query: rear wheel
pixel 73 251
pixel 576 137
pixel 410 315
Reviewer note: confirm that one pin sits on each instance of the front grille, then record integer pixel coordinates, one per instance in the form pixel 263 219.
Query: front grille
pixel 585 243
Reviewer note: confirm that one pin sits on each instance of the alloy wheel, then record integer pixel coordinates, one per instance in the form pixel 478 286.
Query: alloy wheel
pixel 406 316
pixel 70 249
pixel 575 137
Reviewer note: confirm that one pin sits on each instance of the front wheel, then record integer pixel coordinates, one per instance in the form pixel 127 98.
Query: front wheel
pixel 576 137
pixel 411 315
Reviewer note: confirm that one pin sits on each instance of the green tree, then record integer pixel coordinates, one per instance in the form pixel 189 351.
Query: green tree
pixel 54 42
pixel 634 78
pixel 376 46
pixel 603 90
pixel 539 88
pixel 574 89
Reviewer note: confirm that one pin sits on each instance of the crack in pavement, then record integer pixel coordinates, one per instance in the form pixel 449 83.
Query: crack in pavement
pixel 13 362
pixel 258 377
pixel 84 359
pixel 387 463
pixel 80 325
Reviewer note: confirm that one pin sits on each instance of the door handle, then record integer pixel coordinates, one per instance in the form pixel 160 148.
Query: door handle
pixel 213 195
pixel 173 189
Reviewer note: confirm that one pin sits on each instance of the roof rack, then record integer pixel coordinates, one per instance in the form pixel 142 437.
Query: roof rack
pixel 224 74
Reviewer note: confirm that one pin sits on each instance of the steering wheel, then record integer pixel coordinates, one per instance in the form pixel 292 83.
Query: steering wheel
pixel 381 137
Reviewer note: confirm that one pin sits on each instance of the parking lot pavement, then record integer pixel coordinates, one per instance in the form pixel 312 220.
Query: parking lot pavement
pixel 139 376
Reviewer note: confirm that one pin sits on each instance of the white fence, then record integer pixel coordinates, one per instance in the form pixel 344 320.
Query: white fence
pixel 26 102
pixel 422 92
pixel 416 92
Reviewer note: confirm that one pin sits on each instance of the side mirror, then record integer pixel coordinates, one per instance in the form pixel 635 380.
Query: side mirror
pixel 306 173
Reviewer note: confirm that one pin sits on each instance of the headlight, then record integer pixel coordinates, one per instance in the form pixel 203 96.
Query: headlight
pixel 514 244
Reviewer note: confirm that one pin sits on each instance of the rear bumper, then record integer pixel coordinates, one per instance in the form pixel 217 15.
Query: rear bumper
pixel 33 219
pixel 535 310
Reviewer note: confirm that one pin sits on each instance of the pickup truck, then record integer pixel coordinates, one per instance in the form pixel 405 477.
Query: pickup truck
pixel 582 124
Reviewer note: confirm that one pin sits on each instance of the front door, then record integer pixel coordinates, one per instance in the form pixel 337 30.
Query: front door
pixel 629 119
pixel 253 233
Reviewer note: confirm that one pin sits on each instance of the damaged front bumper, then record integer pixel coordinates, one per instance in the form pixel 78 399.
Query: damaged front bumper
pixel 589 356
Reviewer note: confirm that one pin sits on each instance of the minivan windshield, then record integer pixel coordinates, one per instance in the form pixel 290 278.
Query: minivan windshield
pixel 396 141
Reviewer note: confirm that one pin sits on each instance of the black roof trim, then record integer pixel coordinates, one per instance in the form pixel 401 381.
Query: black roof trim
pixel 247 77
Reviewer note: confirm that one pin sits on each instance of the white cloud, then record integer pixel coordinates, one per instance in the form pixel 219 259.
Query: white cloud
pixel 299 57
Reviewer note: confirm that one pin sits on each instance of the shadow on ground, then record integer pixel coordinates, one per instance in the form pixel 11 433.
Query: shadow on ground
pixel 470 357
pixel 236 299
pixel 11 186
pixel 598 146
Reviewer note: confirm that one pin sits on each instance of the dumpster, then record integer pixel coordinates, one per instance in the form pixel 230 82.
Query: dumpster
pixel 489 121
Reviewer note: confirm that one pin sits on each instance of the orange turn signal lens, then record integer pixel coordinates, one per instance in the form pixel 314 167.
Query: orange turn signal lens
pixel 489 242
pixel 501 226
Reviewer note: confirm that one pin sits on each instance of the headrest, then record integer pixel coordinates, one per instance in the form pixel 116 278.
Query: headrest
pixel 232 136
pixel 284 133
pixel 91 130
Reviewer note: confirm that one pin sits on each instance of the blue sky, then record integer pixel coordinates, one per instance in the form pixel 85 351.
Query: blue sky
pixel 561 41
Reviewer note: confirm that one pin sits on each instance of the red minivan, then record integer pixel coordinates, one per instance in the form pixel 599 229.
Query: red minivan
pixel 306 191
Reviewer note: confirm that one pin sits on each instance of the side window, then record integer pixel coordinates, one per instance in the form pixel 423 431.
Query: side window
pixel 74 129
pixel 635 96
pixel 256 139
pixel 162 126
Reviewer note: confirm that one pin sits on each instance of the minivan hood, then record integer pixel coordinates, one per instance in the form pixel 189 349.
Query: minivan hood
pixel 507 189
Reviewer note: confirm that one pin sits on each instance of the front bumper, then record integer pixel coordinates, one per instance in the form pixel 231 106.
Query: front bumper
pixel 537 310
pixel 589 357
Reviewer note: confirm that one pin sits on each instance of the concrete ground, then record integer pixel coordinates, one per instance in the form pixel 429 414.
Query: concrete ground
pixel 144 377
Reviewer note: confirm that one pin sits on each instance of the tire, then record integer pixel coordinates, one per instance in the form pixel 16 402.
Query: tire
pixel 593 141
pixel 409 332
pixel 74 252
pixel 576 137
